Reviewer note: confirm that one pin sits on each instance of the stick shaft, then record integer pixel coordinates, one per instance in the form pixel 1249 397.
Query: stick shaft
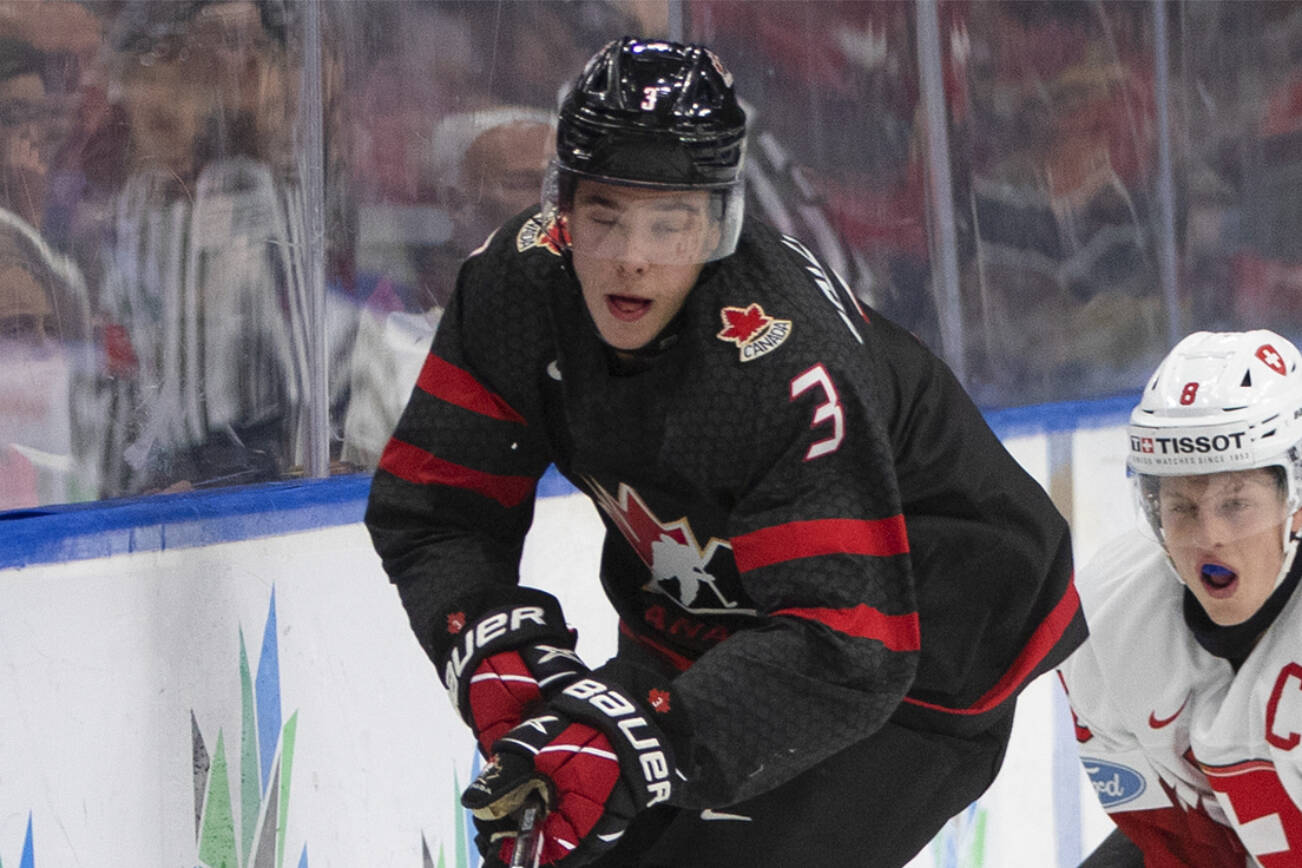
pixel 528 843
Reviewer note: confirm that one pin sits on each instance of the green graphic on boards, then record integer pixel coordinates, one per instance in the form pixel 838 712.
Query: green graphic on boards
pixel 256 837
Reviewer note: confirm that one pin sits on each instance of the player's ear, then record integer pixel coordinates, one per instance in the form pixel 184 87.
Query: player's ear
pixel 1295 527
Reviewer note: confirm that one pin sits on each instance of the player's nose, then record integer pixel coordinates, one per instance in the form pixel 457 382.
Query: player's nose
pixel 1211 531
pixel 637 252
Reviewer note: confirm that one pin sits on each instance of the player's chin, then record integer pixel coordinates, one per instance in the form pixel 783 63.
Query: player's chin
pixel 626 337
pixel 626 345
pixel 1230 611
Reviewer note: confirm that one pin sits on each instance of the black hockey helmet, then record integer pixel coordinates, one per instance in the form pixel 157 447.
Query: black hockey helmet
pixel 654 114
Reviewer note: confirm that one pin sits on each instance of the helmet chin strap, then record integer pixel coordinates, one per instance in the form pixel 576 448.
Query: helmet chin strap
pixel 1290 552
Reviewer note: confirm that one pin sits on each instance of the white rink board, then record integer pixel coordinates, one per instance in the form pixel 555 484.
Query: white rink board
pixel 103 663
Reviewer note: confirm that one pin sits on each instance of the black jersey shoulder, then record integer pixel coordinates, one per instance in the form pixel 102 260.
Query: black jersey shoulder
pixel 526 248
pixel 499 321
pixel 775 304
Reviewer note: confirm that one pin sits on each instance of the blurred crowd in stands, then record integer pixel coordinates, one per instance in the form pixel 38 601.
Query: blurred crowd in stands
pixel 157 308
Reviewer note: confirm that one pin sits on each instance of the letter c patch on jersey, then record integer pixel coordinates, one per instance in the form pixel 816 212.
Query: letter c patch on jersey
pixel 753 331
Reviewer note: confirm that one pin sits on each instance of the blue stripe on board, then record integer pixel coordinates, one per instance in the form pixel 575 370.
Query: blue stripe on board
pixel 1064 416
pixel 157 522
pixel 93 530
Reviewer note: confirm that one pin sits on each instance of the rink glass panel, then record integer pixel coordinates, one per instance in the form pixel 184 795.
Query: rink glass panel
pixel 170 320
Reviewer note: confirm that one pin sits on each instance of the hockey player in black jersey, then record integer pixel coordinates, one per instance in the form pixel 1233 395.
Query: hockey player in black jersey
pixel 831 578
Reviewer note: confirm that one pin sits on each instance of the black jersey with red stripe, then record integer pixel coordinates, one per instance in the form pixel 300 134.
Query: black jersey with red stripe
pixel 804 512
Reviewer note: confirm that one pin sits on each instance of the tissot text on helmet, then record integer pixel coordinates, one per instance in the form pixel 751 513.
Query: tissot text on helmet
pixel 1187 445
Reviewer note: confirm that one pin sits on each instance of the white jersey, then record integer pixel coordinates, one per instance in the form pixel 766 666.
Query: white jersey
pixel 1164 724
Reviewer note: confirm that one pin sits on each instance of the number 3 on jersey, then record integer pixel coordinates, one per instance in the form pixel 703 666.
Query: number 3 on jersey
pixel 828 411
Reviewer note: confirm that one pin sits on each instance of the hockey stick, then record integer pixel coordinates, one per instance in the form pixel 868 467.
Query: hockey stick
pixel 528 842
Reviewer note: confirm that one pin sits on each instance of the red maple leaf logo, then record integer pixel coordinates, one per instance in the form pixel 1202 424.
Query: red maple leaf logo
pixel 742 325
pixel 456 622
pixel 659 700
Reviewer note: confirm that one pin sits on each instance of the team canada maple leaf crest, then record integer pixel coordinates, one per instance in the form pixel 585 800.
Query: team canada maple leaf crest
pixel 456 622
pixel 679 565
pixel 658 700
pixel 547 231
pixel 753 331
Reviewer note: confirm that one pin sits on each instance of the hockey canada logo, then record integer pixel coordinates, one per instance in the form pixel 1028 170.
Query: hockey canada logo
pixel 753 331
pixel 547 231
pixel 681 568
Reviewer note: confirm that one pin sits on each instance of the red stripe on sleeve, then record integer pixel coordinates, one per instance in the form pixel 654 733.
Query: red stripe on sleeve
pixel 828 536
pixel 896 632
pixel 456 386
pixel 1042 641
pixel 420 467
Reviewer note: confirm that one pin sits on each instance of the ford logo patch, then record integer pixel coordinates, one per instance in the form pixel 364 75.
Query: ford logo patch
pixel 1114 784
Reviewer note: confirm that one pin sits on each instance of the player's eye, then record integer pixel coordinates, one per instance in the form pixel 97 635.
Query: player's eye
pixel 1236 506
pixel 599 216
pixel 669 227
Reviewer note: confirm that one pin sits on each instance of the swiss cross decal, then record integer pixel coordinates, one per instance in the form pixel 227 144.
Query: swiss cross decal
pixel 753 331
pixel 1273 359
pixel 456 622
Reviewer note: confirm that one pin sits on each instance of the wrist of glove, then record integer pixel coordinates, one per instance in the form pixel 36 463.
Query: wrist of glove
pixel 595 756
pixel 509 661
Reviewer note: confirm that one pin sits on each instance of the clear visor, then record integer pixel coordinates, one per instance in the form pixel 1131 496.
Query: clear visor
pixel 1211 509
pixel 609 219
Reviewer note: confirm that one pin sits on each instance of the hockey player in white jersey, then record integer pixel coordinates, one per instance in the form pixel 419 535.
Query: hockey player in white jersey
pixel 1188 693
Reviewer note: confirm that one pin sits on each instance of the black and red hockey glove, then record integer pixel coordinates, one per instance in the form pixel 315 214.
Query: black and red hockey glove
pixel 596 758
pixel 509 662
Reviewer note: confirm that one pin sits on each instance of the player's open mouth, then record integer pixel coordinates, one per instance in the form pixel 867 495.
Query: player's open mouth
pixel 1219 581
pixel 627 307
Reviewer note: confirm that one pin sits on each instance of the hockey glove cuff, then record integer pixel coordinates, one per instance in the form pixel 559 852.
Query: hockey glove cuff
pixel 509 661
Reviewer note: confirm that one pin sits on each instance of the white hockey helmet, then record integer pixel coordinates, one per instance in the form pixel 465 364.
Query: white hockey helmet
pixel 1220 401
